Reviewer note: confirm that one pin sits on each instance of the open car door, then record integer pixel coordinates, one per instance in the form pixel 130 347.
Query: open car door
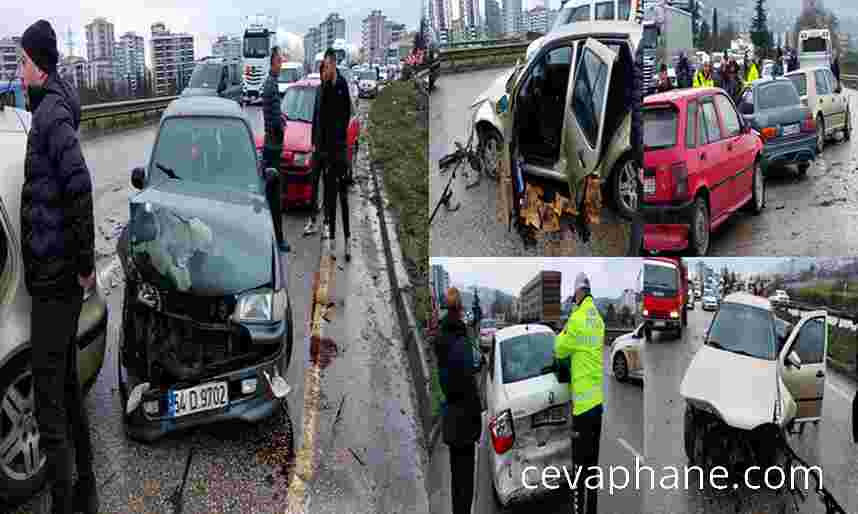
pixel 584 123
pixel 807 346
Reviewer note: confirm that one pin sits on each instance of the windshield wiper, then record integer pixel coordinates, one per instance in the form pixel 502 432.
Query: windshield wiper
pixel 170 173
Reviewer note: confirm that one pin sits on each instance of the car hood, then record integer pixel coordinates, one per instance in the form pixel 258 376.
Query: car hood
pixel 199 91
pixel 746 399
pixel 625 340
pixel 527 397
pixel 201 239
pixel 496 90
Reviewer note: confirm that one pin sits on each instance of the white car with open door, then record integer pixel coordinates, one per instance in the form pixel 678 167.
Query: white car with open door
pixel 626 355
pixel 566 117
pixel 529 413
pixel 744 388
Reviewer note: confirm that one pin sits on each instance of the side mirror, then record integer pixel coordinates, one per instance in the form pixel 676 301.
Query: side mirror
pixel 138 177
pixel 794 360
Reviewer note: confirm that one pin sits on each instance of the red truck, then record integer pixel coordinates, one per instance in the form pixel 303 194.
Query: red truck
pixel 663 284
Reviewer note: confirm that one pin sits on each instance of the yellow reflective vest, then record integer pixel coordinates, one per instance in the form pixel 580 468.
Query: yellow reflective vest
pixel 701 81
pixel 583 340
pixel 753 74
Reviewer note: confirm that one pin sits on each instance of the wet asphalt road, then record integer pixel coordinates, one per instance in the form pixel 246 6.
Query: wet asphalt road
pixel 815 215
pixel 828 444
pixel 622 437
pixel 368 437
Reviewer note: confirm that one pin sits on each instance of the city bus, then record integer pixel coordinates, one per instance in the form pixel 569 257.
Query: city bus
pixel 814 48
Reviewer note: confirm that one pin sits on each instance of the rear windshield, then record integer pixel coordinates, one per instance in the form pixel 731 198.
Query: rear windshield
pixel 659 128
pixel 799 80
pixel 779 94
pixel 744 330
pixel 814 44
pixel 526 356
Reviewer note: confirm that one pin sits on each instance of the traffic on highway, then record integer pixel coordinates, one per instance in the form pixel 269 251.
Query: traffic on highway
pixel 752 397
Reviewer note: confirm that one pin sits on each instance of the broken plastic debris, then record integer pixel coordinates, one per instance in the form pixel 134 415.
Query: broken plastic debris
pixel 136 397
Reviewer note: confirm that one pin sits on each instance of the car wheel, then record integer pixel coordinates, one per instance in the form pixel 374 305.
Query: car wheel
pixel 690 435
pixel 802 168
pixel 648 333
pixel 22 463
pixel 820 134
pixel 624 187
pixel 847 131
pixel 489 152
pixel 700 228
pixel 758 199
pixel 621 367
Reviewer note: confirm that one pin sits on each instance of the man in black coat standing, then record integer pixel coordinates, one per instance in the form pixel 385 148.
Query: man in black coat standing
pixel 58 247
pixel 273 148
pixel 331 116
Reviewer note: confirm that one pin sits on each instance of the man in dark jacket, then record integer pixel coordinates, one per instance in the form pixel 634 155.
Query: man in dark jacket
pixel 273 146
pixel 58 246
pixel 683 72
pixel 331 116
pixel 835 68
pixel 461 423
pixel 731 83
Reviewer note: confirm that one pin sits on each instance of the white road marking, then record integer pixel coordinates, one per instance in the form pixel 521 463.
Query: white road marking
pixel 630 448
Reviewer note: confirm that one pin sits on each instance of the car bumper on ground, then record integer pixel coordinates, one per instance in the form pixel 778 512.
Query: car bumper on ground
pixel 790 152
pixel 508 469
pixel 667 226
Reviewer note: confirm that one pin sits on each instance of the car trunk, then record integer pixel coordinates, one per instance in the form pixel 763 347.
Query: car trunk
pixel 787 122
pixel 541 408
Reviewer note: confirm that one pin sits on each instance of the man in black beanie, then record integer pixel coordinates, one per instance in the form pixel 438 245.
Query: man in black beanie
pixel 58 236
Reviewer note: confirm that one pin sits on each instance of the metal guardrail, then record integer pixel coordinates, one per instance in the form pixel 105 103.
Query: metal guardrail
pixel 455 58
pixel 94 112
pixel 849 78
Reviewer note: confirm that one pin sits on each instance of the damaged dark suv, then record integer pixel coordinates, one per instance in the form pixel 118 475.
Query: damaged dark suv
pixel 206 319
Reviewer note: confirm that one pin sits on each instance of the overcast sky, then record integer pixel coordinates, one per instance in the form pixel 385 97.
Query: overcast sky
pixel 205 19
pixel 608 276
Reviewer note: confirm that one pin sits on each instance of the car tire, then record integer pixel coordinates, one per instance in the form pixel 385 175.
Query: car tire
pixel 802 168
pixel 624 187
pixel 620 367
pixel 758 198
pixel 820 134
pixel 699 229
pixel 690 434
pixel 489 150
pixel 23 484
pixel 847 131
pixel 648 333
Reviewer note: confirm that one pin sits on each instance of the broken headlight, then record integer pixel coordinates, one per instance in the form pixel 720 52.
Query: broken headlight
pixel 261 305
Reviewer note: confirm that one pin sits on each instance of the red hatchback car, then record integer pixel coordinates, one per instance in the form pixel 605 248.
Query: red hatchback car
pixel 296 161
pixel 701 164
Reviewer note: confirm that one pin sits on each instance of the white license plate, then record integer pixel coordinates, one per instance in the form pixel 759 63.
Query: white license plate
pixel 553 416
pixel 658 324
pixel 791 129
pixel 649 186
pixel 197 399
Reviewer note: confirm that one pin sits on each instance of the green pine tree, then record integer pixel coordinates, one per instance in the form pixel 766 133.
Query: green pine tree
pixel 760 35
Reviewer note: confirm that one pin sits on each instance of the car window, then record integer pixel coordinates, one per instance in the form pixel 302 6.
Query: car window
pixel 659 127
pixel 728 114
pixel 207 150
pixel 625 9
pixel 298 103
pixel 205 76
pixel 743 329
pixel 605 10
pixel 690 124
pixel 713 128
pixel 590 88
pixel 821 83
pixel 526 356
pixel 777 94
pixel 799 80
pixel 289 75
pixel 832 81
pixel 702 136
pixel 810 343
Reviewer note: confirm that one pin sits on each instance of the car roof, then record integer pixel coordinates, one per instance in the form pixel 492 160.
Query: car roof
pixel 518 330
pixel 749 300
pixel 681 95
pixel 203 106
pixel 580 29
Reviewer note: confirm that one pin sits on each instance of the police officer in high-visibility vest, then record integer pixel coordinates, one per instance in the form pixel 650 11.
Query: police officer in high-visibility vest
pixel 703 77
pixel 581 344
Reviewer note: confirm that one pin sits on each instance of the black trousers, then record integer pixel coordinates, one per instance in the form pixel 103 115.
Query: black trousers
pixel 585 453
pixel 318 169
pixel 334 166
pixel 273 189
pixel 63 420
pixel 462 473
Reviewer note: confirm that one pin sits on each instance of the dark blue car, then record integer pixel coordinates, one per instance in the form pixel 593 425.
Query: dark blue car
pixel 773 108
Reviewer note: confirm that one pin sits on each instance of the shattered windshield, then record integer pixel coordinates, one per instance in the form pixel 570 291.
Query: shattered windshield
pixel 744 330
pixel 207 150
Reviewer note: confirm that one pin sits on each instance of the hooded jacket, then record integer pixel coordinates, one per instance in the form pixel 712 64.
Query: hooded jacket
pixel 57 226
pixel 462 422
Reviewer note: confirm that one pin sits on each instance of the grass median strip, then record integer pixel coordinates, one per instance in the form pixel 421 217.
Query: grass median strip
pixel 399 134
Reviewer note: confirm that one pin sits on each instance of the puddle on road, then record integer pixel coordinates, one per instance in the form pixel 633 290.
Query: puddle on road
pixel 323 351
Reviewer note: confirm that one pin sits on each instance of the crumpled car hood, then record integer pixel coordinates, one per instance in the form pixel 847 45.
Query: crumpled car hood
pixel 201 239
pixel 742 389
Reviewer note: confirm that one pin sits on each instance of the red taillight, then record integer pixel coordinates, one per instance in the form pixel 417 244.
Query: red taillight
pixel 679 178
pixel 809 123
pixel 503 435
pixel 768 133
